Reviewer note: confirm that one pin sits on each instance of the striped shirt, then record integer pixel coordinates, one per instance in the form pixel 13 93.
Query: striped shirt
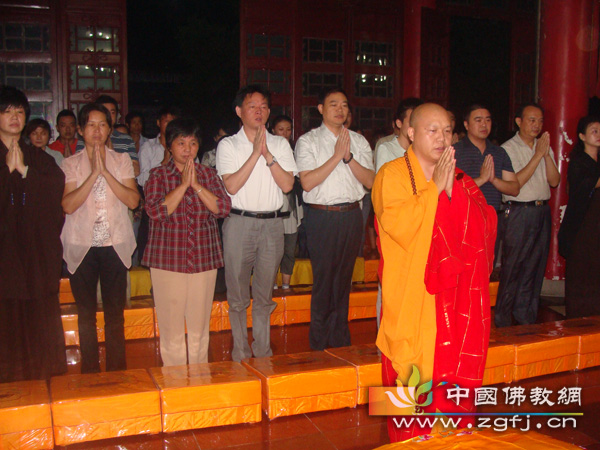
pixel 121 142
pixel 469 159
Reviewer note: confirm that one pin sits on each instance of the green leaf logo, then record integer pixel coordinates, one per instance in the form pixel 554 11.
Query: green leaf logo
pixel 408 397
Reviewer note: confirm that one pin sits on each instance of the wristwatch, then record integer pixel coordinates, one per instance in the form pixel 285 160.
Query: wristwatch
pixel 272 162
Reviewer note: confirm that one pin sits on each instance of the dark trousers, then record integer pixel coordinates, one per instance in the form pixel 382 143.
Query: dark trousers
pixel 524 256
pixel 367 205
pixel 103 263
pixel 333 242
pixel 500 232
pixel 289 253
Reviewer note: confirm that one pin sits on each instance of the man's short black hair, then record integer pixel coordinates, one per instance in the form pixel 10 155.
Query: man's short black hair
pixel 84 114
pixel 474 107
pixel 169 109
pixel 11 96
pixel 249 90
pixel 103 99
pixel 405 105
pixel 34 124
pixel 182 127
pixel 519 113
pixel 65 113
pixel 324 93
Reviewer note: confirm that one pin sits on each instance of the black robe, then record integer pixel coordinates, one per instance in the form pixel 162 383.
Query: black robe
pixel 579 238
pixel 32 342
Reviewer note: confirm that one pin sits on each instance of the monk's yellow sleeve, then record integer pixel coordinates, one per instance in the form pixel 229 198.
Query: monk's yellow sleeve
pixel 408 327
pixel 400 213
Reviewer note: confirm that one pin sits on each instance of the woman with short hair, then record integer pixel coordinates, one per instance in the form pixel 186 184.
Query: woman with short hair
pixel 579 235
pixel 32 344
pixel 184 199
pixel 38 132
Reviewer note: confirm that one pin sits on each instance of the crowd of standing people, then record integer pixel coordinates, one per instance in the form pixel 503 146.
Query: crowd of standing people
pixel 445 209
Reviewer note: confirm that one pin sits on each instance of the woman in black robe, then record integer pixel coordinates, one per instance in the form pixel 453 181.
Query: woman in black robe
pixel 579 235
pixel 32 342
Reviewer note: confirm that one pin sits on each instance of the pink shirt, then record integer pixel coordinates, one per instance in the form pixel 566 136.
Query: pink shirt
pixel 78 232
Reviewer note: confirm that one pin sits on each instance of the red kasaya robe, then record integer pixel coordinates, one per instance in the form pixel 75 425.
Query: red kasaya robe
pixel 458 271
pixel 458 268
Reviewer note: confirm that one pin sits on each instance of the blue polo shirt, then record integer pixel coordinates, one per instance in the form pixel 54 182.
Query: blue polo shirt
pixel 469 159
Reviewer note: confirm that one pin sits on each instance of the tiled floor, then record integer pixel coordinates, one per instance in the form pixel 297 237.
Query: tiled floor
pixel 341 429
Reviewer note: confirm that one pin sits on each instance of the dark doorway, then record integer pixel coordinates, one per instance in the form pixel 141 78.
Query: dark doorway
pixel 480 70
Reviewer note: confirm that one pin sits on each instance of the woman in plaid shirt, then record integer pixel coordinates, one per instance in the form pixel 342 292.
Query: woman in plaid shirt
pixel 184 200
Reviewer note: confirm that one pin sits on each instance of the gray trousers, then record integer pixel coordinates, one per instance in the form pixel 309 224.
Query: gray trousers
pixel 251 247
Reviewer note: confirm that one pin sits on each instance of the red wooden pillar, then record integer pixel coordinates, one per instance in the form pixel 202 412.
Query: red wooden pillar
pixel 411 72
pixel 564 77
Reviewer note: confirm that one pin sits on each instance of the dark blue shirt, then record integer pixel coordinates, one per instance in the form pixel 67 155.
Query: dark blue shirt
pixel 469 159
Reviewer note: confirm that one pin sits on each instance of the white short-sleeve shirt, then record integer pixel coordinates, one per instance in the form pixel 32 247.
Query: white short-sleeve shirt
pixel 314 148
pixel 537 187
pixel 388 151
pixel 260 192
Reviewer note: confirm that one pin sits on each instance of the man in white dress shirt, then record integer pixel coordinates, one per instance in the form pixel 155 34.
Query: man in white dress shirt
pixel 528 221
pixel 390 150
pixel 335 167
pixel 154 152
pixel 395 148
pixel 257 168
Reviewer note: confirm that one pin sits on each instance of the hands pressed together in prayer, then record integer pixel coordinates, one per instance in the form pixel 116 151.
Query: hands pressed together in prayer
pixel 189 177
pixel 342 145
pixel 14 158
pixel 260 142
pixel 443 174
pixel 98 162
pixel 542 146
pixel 487 172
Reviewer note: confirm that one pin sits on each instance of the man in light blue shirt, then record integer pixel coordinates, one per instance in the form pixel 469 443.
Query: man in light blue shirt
pixel 395 148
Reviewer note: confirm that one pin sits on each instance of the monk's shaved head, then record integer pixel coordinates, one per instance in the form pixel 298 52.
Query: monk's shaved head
pixel 424 110
pixel 431 132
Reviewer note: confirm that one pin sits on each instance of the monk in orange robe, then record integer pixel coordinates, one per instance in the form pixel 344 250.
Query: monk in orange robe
pixel 437 238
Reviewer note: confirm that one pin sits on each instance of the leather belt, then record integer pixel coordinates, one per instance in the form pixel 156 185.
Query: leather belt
pixel 260 215
pixel 531 203
pixel 337 208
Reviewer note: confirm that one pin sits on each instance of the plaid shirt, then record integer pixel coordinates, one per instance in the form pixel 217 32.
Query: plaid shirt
pixel 187 241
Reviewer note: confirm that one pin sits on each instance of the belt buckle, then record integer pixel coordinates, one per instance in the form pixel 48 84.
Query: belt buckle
pixel 539 203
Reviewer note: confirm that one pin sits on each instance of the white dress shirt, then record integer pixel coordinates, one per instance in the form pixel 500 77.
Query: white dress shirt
pixel 317 146
pixel 388 151
pixel 260 192
pixel 151 155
